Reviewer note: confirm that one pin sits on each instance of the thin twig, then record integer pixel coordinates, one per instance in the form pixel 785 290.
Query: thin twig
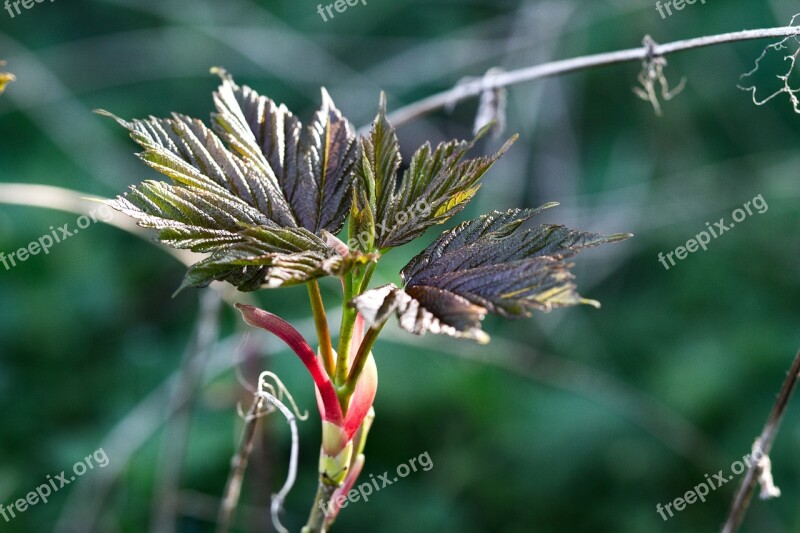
pixel 239 461
pixel 487 83
pixel 183 400
pixel 76 202
pixel 233 487
pixel 758 470
pixel 85 504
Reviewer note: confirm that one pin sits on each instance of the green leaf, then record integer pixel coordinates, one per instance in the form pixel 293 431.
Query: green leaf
pixel 487 265
pixel 375 179
pixel 326 178
pixel 380 161
pixel 314 172
pixel 361 227
pixel 271 258
pixel 437 185
pixel 185 150
pixel 195 218
pixel 252 191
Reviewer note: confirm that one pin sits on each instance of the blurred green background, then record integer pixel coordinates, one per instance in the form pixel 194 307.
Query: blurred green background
pixel 578 420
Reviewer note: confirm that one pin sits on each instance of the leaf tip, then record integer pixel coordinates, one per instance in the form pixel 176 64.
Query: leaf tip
pixel 617 237
pixel 248 313
pixel 185 284
pixel 327 101
pixel 480 336
pixel 104 201
pixel 587 301
pixel 112 116
pixel 508 144
pixel 382 103
pixel 221 72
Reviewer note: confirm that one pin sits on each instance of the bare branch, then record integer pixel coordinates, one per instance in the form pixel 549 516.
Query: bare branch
pixel 760 472
pixel 182 402
pixel 78 203
pixel 488 83
pixel 492 109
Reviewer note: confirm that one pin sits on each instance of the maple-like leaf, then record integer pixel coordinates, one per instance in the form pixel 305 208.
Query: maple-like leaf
pixel 252 190
pixel 437 185
pixel 487 265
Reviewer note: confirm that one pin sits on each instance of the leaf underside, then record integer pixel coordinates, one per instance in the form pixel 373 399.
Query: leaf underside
pixel 487 265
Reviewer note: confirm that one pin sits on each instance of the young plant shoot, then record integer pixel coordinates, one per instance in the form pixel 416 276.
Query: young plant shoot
pixel 265 198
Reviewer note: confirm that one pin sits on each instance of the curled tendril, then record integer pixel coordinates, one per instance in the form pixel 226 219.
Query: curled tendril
pixel 268 398
pixel 271 391
pixel 786 88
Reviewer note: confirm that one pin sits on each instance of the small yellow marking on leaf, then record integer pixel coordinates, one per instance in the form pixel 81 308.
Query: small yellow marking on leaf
pixel 5 79
pixel 456 200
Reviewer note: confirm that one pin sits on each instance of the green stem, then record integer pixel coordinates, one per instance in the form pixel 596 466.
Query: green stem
pixel 346 330
pixel 355 283
pixel 321 322
pixel 316 520
pixel 367 277
pixel 360 360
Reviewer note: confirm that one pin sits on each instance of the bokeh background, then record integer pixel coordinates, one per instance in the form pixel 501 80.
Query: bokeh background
pixel 578 420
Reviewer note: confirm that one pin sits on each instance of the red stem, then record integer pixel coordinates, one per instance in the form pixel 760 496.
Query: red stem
pixel 287 333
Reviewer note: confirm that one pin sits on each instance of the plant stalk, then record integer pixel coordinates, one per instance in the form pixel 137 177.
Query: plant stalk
pixel 354 284
pixel 741 500
pixel 233 487
pixel 345 331
pixel 360 360
pixel 321 323
pixel 316 520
